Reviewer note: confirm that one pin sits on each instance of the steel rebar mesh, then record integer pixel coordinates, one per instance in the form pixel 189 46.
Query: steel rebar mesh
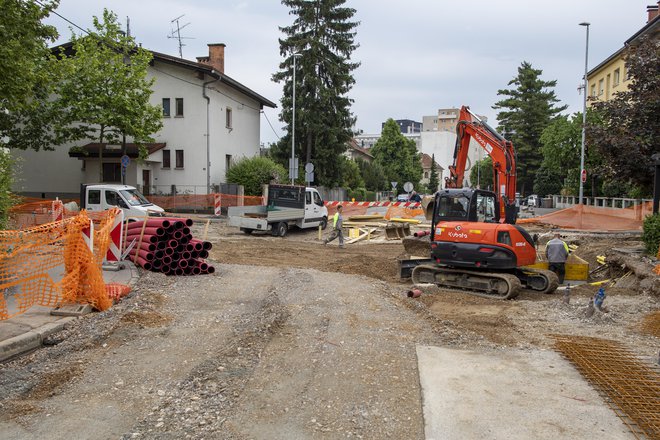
pixel 651 324
pixel 630 387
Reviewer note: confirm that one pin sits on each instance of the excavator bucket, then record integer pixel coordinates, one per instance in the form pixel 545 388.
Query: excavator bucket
pixel 427 205
pixel 392 231
pixel 396 231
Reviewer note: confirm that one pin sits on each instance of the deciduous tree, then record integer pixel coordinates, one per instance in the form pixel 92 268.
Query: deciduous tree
pixel 105 87
pixel 397 155
pixel 28 72
pixel 373 175
pixel 629 134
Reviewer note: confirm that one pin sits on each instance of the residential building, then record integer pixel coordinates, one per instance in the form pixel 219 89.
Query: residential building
pixel 355 152
pixel 445 120
pixel 610 75
pixel 368 140
pixel 209 121
pixel 427 162
pixel 407 126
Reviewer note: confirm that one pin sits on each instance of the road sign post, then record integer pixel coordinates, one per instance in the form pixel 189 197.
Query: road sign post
pixel 125 162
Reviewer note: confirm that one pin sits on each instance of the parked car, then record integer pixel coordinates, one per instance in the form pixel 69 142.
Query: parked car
pixel 402 197
pixel 533 201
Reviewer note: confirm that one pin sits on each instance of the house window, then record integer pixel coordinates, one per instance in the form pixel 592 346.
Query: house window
pixel 111 172
pixel 426 174
pixel 227 162
pixel 179 158
pixel 601 87
pixel 166 159
pixel 617 77
pixel 166 107
pixel 179 108
pixel 228 118
pixel 593 90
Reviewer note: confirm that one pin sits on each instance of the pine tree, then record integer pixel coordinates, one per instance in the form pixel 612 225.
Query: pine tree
pixel 434 181
pixel 525 112
pixel 323 36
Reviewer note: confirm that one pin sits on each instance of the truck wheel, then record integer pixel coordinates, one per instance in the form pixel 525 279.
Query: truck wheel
pixel 246 230
pixel 324 223
pixel 282 228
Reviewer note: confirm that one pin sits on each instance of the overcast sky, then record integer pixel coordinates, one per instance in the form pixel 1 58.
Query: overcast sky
pixel 417 55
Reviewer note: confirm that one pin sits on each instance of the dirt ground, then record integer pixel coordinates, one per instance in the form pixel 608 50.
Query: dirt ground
pixel 524 322
pixel 288 339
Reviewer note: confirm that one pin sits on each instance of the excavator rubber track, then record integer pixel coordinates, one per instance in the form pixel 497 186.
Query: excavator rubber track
pixel 539 280
pixel 495 285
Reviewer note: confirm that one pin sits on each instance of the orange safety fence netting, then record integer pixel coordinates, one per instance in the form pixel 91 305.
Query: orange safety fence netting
pixel 228 200
pixel 52 264
pixel 402 212
pixel 584 217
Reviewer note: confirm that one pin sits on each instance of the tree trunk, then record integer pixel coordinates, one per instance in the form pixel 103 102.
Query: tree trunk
pixel 308 156
pixel 101 155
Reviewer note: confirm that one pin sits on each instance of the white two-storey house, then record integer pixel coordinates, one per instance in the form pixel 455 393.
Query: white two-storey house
pixel 209 121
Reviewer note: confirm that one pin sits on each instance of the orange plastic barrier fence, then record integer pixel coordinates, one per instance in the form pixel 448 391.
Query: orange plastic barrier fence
pixel 348 210
pixel 52 264
pixel 590 218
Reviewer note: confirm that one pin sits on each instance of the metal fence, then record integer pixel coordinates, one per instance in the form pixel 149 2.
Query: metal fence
pixel 641 207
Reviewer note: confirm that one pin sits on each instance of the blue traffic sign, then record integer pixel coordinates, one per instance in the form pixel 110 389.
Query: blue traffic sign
pixel 125 160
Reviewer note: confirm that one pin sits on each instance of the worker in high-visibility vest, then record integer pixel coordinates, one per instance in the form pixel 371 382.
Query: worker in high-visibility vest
pixel 337 221
pixel 557 252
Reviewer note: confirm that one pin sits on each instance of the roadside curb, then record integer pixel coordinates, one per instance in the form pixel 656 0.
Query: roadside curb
pixel 31 340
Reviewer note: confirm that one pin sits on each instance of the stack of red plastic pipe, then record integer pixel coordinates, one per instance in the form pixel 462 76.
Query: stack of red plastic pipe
pixel 166 245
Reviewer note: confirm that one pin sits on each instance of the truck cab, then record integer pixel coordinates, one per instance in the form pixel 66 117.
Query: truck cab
pixel 102 197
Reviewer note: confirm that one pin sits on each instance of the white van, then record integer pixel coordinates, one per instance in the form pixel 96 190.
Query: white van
pixel 102 197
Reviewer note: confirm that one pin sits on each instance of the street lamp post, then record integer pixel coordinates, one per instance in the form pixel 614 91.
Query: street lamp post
pixel 584 112
pixel 293 123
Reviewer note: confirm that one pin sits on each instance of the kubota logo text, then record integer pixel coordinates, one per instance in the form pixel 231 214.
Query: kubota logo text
pixel 457 235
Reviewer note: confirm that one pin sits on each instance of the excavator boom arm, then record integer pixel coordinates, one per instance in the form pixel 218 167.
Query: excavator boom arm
pixel 501 152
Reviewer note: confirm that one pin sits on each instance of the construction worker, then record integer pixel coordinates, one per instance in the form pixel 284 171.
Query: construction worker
pixel 337 221
pixel 557 252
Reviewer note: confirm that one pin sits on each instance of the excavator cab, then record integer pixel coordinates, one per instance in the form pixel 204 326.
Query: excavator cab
pixel 466 205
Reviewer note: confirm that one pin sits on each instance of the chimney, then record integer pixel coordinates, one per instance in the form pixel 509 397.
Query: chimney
pixel 216 58
pixel 652 12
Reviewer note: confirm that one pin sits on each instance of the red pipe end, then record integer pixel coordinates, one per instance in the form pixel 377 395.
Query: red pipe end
pixel 414 293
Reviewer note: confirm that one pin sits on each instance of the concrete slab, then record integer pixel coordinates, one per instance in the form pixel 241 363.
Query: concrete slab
pixel 510 395
pixel 34 317
pixel 9 329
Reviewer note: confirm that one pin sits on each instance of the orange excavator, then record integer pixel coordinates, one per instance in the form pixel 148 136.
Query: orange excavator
pixel 475 244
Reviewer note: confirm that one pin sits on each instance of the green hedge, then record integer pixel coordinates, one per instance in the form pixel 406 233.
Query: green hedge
pixel 651 234
pixel 254 172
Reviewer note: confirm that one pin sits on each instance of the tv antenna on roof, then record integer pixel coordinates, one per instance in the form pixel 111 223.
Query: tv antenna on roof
pixel 176 33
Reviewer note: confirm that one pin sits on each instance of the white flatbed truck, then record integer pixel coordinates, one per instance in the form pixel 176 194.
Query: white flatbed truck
pixel 287 206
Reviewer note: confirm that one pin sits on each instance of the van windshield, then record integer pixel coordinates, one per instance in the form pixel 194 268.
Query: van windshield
pixel 134 198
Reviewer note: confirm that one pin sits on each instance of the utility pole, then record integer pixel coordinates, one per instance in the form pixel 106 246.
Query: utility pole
pixel 584 116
